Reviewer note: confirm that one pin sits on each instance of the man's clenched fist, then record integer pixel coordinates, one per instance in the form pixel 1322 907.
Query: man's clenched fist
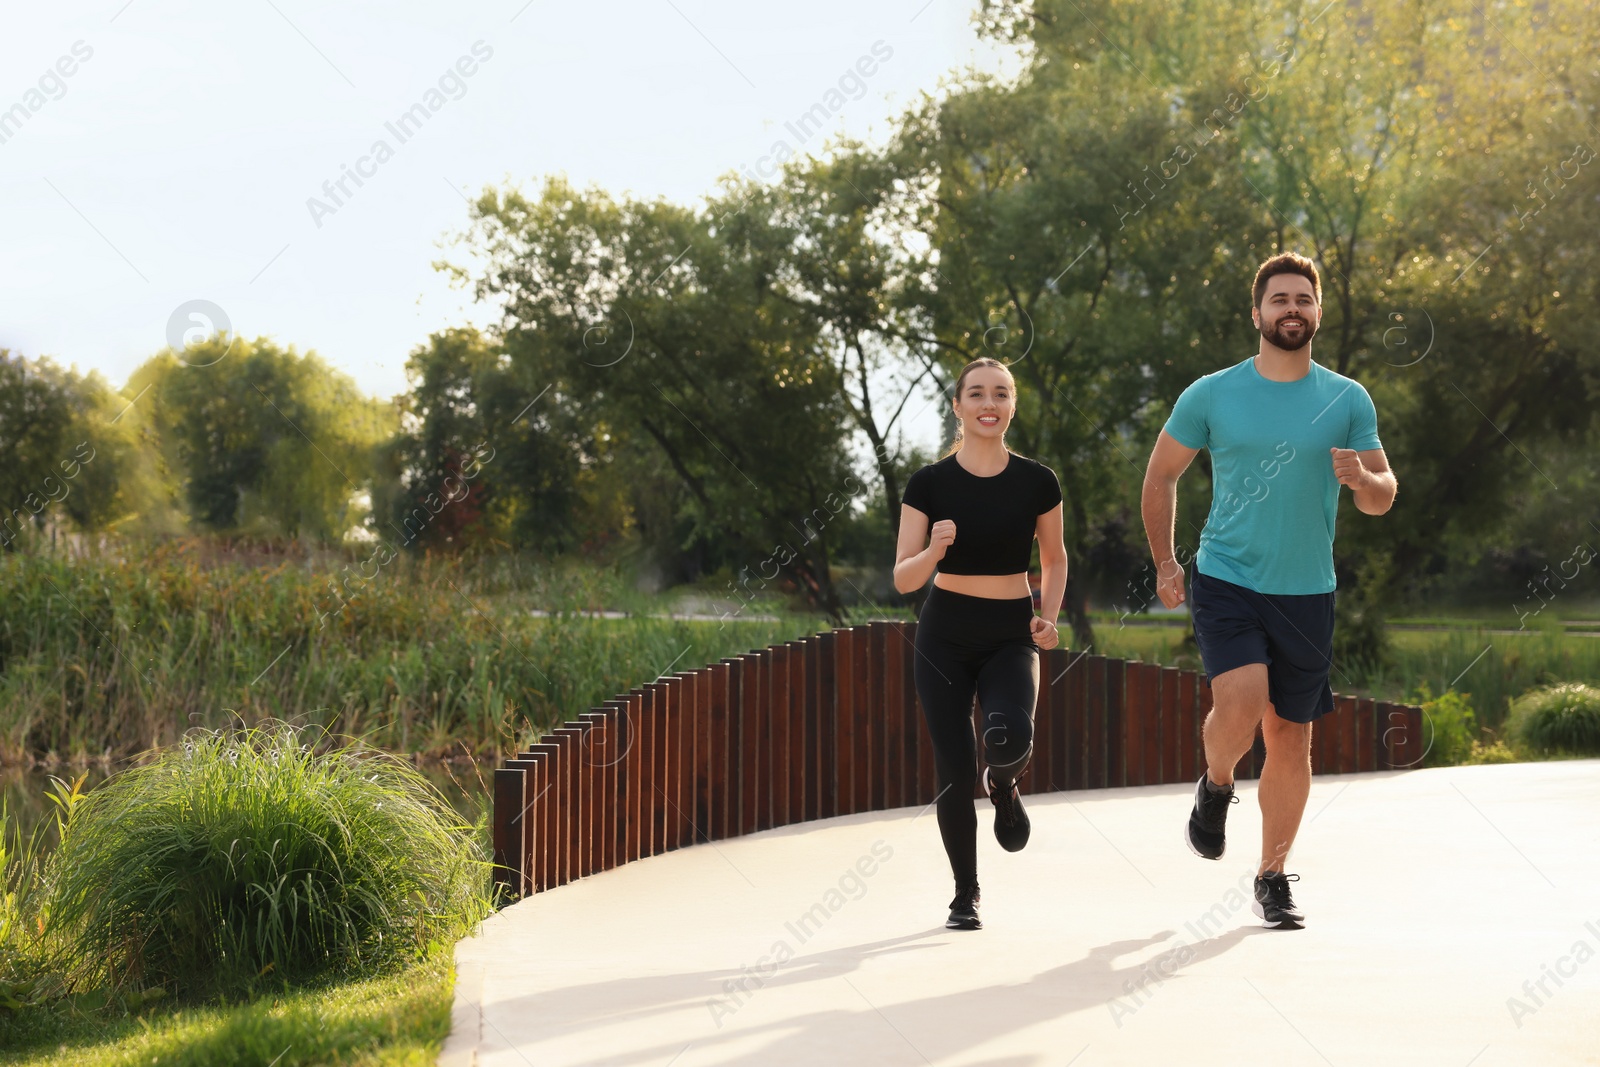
pixel 1347 467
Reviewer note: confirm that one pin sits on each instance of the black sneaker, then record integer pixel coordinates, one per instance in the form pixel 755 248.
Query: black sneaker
pixel 1274 904
pixel 964 909
pixel 1205 833
pixel 1011 825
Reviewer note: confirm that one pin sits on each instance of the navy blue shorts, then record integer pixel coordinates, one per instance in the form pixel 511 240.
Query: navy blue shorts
pixel 1292 635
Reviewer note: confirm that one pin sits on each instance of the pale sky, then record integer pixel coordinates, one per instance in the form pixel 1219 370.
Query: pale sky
pixel 154 153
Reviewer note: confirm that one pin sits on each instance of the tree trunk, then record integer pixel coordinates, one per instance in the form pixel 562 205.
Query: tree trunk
pixel 1074 603
pixel 1078 614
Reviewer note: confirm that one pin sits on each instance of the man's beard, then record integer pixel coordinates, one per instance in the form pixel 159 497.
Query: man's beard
pixel 1275 335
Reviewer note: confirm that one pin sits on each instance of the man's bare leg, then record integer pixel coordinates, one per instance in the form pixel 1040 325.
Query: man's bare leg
pixel 1285 785
pixel 1239 702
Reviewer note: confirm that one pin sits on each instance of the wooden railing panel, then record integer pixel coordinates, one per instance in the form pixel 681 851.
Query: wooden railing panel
pixel 1073 684
pixel 1366 747
pixel 1191 753
pixel 831 725
pixel 541 814
pixel 827 725
pixel 1116 708
pixel 778 762
pixel 740 770
pixel 655 710
pixel 510 796
pixel 595 820
pixel 1097 773
pixel 812 733
pixel 845 753
pixel 1173 739
pixel 878 638
pixel 637 764
pixel 799 689
pixel 895 728
pixel 863 774
pixel 749 671
pixel 716 757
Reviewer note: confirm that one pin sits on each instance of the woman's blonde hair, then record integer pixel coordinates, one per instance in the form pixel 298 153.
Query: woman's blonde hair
pixel 981 361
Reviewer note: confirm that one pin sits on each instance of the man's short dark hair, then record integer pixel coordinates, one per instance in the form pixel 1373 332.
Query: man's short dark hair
pixel 1287 263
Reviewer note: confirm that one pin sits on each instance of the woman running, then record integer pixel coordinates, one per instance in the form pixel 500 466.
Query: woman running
pixel 977 633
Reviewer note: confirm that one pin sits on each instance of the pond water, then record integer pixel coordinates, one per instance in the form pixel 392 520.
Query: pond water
pixel 463 785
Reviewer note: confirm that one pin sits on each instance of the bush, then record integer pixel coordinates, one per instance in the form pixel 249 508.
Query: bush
pixel 1361 643
pixel 1558 720
pixel 1450 728
pixel 246 857
pixel 1495 752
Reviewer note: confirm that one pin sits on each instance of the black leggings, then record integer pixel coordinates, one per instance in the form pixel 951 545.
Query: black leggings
pixel 970 645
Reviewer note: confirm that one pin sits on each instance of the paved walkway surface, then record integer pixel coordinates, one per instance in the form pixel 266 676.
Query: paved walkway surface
pixel 1453 918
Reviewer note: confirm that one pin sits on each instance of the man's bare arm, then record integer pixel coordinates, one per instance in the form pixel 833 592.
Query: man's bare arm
pixel 1158 504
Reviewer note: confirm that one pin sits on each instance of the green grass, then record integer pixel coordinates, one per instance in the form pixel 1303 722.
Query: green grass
pixel 396 1019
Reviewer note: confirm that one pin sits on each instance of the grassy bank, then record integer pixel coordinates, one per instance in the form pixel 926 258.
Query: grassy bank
pixel 103 656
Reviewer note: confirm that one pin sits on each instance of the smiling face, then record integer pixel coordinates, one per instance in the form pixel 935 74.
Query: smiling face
pixel 1289 313
pixel 987 403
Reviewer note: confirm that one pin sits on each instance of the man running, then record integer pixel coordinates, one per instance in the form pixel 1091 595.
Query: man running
pixel 1284 433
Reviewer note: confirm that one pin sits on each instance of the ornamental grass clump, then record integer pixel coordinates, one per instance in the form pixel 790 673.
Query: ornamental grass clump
pixel 247 857
pixel 1558 720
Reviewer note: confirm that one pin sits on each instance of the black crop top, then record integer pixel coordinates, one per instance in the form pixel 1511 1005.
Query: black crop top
pixel 995 517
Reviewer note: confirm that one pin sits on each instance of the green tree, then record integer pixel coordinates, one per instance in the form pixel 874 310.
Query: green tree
pixel 1396 144
pixel 652 324
pixel 266 440
pixel 36 417
pixel 465 400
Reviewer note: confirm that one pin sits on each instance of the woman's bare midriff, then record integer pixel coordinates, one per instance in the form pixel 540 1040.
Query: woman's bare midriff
pixel 993 586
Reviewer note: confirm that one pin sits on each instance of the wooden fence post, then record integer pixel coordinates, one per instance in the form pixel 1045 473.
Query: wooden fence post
pixel 827 723
pixel 510 793
pixel 723 798
pixel 781 765
pixel 878 637
pixel 1097 773
pixel 1191 753
pixel 748 671
pixel 899 720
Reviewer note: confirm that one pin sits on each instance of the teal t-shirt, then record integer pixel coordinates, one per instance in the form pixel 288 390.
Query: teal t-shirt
pixel 1274 495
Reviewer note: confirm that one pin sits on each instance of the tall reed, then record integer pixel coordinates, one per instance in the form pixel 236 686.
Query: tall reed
pixel 107 656
pixel 29 973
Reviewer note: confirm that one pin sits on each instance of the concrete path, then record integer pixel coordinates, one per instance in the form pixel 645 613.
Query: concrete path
pixel 1453 918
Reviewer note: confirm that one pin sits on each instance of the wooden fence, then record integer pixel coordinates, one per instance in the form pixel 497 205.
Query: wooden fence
pixel 830 725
